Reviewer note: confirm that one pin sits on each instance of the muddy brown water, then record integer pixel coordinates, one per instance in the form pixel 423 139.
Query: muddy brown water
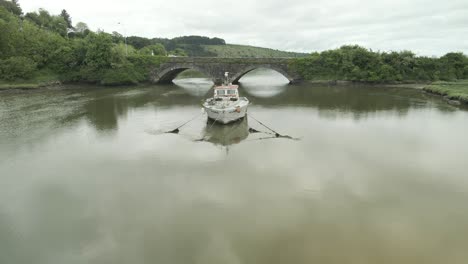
pixel 379 175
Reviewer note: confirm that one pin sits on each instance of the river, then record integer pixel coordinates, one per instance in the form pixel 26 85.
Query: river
pixel 376 175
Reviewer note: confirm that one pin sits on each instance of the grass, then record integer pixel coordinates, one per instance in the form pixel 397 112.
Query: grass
pixel 5 86
pixel 41 78
pixel 243 51
pixel 456 90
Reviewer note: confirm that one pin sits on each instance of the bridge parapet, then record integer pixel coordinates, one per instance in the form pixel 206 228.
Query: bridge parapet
pixel 227 60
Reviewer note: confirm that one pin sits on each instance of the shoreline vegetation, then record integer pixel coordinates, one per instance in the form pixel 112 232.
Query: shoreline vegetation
pixel 39 49
pixel 455 92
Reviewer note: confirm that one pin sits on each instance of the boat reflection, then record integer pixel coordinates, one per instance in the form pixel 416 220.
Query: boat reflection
pixel 226 135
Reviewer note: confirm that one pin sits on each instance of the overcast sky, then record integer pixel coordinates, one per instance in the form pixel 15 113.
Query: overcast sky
pixel 427 27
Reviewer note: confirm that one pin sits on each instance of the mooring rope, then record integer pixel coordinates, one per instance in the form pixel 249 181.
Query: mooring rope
pixel 203 138
pixel 214 121
pixel 275 133
pixel 176 131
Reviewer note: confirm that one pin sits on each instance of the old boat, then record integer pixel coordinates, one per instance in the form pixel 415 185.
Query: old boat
pixel 226 106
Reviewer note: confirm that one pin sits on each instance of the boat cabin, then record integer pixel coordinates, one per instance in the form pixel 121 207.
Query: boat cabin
pixel 229 91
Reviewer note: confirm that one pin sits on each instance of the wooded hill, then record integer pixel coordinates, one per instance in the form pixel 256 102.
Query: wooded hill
pixel 39 46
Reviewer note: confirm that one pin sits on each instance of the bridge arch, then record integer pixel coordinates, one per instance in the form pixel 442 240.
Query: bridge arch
pixel 235 79
pixel 215 68
pixel 168 74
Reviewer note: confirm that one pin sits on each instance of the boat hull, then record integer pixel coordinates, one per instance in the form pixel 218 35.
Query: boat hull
pixel 226 115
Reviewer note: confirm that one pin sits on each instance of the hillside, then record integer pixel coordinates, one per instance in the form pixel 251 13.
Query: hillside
pixel 243 51
pixel 200 46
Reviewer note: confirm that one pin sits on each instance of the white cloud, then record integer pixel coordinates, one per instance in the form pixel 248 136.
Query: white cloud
pixel 428 28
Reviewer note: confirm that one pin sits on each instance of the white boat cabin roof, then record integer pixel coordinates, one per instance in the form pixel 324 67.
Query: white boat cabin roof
pixel 226 91
pixel 231 86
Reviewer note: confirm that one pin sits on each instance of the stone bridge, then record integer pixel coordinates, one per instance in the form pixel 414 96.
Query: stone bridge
pixel 215 68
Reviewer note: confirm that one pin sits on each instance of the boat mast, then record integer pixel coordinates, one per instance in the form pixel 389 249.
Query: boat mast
pixel 226 80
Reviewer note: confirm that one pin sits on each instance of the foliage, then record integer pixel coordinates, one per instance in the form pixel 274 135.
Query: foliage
pixel 452 90
pixel 354 63
pixel 98 50
pixel 67 18
pixel 143 64
pixel 45 20
pixel 242 51
pixel 178 52
pixel 199 40
pixel 17 68
pixel 122 74
pixel 11 6
pixel 191 45
pixel 194 50
pixel 156 50
pixel 81 27
pixel 40 43
pixel 120 51
pixel 139 42
pixel 36 47
pixel 81 30
pixel 117 37
pixel 63 59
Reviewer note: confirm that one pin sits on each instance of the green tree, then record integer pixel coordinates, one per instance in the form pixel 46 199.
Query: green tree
pixel 9 32
pixel 452 66
pixel 98 50
pixel 138 42
pixel 156 49
pixel 81 30
pixel 117 37
pixel 120 51
pixel 387 73
pixel 17 68
pixel 59 25
pixel 12 6
pixel 38 44
pixel 64 14
pixel 178 52
pixel 41 18
pixel 47 21
pixel 81 27
pixel 359 64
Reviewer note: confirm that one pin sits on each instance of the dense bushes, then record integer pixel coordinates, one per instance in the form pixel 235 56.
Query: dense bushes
pixel 11 6
pixel 156 50
pixel 122 74
pixel 17 68
pixel 38 43
pixel 355 63
pixel 191 44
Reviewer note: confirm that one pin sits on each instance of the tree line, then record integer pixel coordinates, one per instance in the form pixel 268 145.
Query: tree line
pixel 182 46
pixel 38 44
pixel 355 63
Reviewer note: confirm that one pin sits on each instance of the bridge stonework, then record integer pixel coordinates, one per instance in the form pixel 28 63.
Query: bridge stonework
pixel 216 67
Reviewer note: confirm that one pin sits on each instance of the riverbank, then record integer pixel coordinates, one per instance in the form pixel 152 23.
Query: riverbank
pixel 41 79
pixel 28 85
pixel 413 85
pixel 455 92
